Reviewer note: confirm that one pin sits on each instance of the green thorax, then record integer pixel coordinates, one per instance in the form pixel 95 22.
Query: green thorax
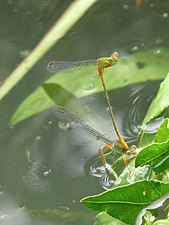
pixel 105 62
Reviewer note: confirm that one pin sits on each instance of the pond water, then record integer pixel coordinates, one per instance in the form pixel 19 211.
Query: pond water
pixel 45 170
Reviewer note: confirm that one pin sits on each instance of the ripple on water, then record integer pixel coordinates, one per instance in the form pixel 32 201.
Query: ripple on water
pixel 140 101
pixel 135 45
pixel 97 169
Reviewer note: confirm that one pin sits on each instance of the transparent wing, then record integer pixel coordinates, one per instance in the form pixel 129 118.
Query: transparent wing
pixel 66 116
pixel 58 66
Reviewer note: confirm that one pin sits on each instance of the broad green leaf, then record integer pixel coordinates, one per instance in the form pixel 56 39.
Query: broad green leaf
pixel 35 103
pixel 163 132
pixel 162 135
pixel 156 154
pixel 141 66
pixel 60 96
pixel 105 219
pixel 160 102
pixel 152 154
pixel 126 202
pixel 45 97
pixel 146 138
pixel 163 166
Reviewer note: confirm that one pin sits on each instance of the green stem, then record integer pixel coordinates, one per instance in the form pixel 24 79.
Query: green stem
pixel 60 28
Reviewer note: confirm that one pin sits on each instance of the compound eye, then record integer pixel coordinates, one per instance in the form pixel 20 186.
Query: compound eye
pixel 115 56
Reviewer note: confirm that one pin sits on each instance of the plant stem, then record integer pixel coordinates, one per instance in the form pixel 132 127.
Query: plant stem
pixel 75 11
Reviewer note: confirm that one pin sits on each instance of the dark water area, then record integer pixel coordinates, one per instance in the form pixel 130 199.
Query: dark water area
pixel 45 168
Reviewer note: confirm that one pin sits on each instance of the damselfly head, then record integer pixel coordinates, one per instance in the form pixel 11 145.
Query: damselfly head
pixel 115 57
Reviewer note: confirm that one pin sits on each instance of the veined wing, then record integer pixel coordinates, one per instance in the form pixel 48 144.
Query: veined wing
pixel 58 66
pixel 66 116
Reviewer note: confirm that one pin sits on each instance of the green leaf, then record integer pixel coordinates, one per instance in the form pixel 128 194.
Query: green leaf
pixel 163 166
pixel 82 82
pixel 162 222
pixel 160 102
pixel 152 154
pixel 163 132
pixel 146 138
pixel 126 202
pixel 35 103
pixel 156 154
pixel 162 135
pixel 45 97
pixel 105 219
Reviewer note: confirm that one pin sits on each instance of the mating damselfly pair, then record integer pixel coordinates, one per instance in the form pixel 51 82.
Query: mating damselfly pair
pixel 101 63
